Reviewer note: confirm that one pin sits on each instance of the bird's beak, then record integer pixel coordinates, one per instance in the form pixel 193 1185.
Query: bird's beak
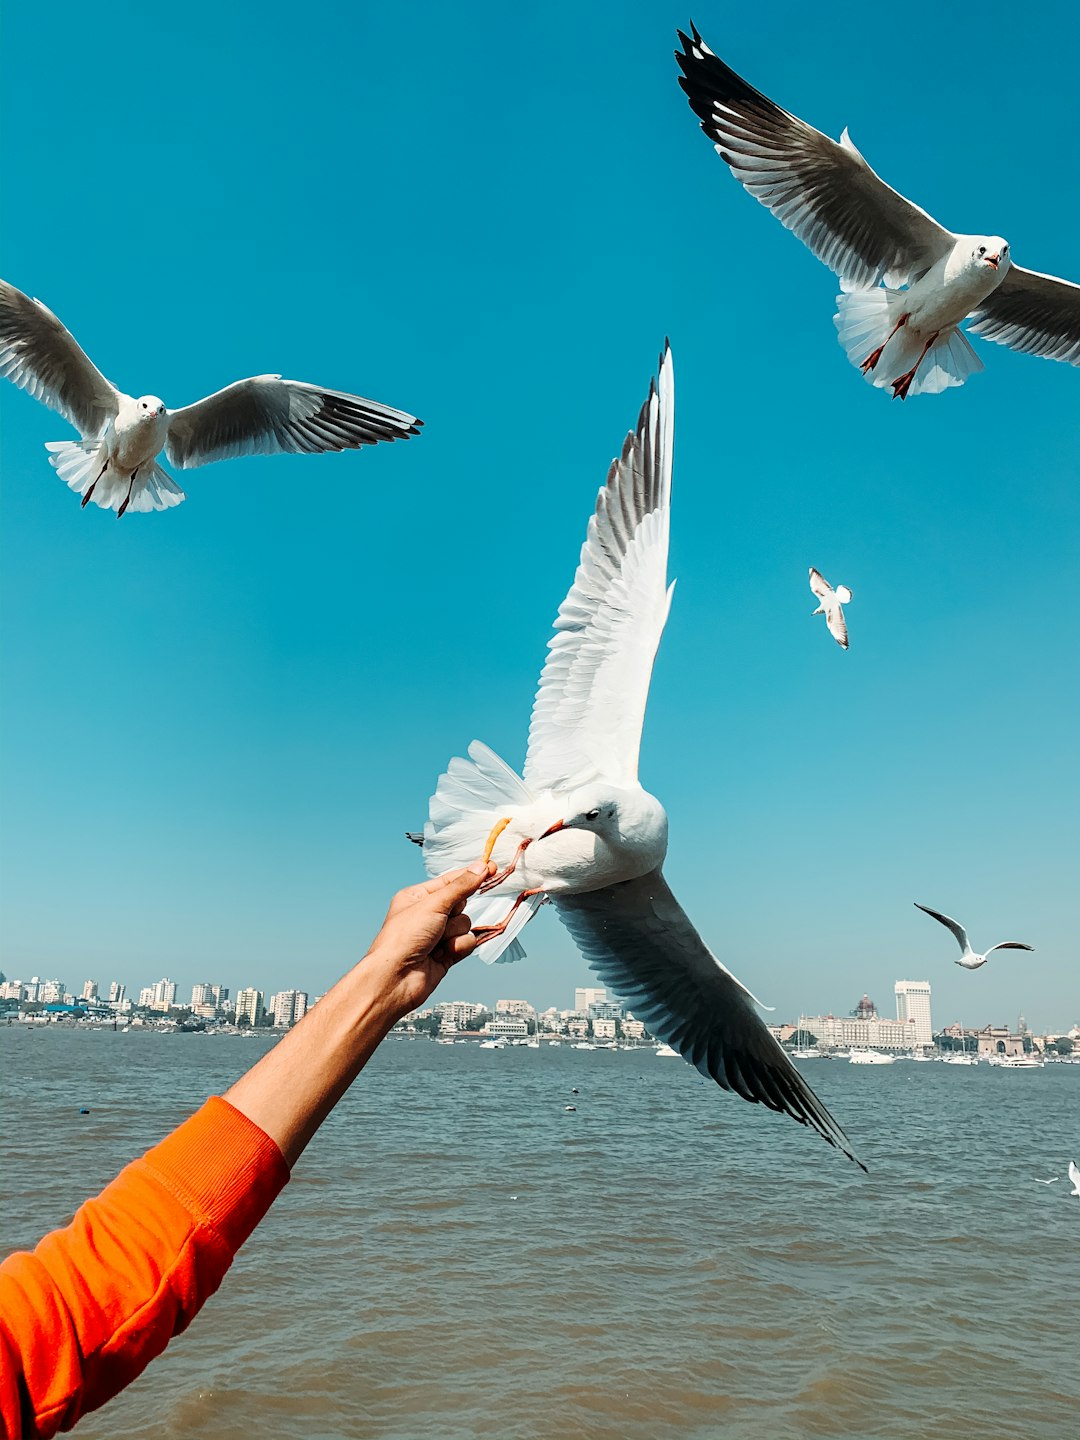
pixel 993 260
pixel 496 831
pixel 559 825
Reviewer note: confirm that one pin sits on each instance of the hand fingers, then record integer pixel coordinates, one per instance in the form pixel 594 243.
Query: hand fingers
pixel 457 925
pixel 455 948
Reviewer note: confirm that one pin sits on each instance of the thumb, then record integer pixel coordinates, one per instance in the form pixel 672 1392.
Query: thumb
pixel 457 885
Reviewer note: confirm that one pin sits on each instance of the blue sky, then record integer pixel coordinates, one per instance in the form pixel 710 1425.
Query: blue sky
pixel 218 721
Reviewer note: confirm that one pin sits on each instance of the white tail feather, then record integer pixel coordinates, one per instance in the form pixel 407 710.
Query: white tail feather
pixel 866 319
pixel 469 799
pixel 79 464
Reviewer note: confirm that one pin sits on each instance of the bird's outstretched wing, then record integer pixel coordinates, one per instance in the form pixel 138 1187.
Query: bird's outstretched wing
pixel 834 619
pixel 953 925
pixel 267 415
pixel 590 706
pixel 824 192
pixel 641 943
pixel 819 585
pixel 1074 1176
pixel 1008 945
pixel 1037 314
pixel 43 358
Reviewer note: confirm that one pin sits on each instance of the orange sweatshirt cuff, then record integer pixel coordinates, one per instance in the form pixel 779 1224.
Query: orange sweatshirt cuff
pixel 223 1168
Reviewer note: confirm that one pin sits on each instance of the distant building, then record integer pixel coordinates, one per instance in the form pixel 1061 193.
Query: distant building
pixel 633 1029
pixel 117 991
pixel 89 990
pixel 577 1026
pixel 605 1010
pixel 51 992
pixel 458 1012
pixel 913 1003
pixel 515 1007
pixel 289 1006
pixel 12 990
pixel 604 1029
pixel 249 1006
pixel 146 997
pixel 586 996
pixel 835 1031
pixel 866 1009
pixel 163 995
pixel 510 1027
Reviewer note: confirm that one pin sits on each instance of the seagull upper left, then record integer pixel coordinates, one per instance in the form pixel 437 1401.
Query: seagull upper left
pixel 114 462
pixel 906 281
pixel 579 828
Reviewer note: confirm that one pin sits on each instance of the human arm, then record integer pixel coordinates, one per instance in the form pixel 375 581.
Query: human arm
pixel 95 1302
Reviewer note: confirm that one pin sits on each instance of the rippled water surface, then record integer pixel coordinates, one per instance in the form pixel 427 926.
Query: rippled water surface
pixel 458 1255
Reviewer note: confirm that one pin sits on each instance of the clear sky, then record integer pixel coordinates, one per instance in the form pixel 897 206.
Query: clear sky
pixel 218 721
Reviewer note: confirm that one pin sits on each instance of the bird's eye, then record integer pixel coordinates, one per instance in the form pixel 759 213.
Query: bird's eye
pixel 982 249
pixel 592 815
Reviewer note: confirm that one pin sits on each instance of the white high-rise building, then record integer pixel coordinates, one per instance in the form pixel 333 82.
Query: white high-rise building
pixel 289 1006
pixel 89 990
pixel 117 991
pixel 249 1006
pixel 146 997
pixel 586 996
pixel 164 995
pixel 51 992
pixel 913 1003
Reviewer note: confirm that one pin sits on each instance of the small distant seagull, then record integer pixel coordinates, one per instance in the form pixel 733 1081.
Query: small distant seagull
pixel 1074 1177
pixel 832 603
pixel 906 334
pixel 1052 1181
pixel 968 958
pixel 115 461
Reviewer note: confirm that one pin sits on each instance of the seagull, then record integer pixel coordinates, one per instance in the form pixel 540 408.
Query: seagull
pixel 968 958
pixel 114 463
pixel 1052 1181
pixel 578 828
pixel 1074 1178
pixel 832 603
pixel 906 282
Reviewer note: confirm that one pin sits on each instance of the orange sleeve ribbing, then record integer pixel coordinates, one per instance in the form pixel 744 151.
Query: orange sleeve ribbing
pixel 87 1311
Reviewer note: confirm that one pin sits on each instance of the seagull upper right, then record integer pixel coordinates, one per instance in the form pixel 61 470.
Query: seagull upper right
pixel 902 334
pixel 1074 1176
pixel 114 463
pixel 968 958
pixel 832 605
pixel 579 827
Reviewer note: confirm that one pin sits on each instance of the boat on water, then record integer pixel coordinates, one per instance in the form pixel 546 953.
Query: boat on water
pixel 870 1057
pixel 806 1054
pixel 584 1045
pixel 492 1044
pixel 663 1051
pixel 1016 1062
pixel 964 1058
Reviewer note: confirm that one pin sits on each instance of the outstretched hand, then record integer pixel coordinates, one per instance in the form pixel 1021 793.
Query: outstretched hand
pixel 426 931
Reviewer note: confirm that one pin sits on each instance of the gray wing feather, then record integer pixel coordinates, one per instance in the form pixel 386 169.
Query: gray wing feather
pixel 823 192
pixel 641 943
pixel 267 415
pixel 1037 314
pixel 953 925
pixel 44 359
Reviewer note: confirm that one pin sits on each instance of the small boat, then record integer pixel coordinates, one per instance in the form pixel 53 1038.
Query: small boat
pixel 964 1058
pixel 664 1052
pixel 870 1057
pixel 1017 1062
pixel 493 1044
pixel 584 1045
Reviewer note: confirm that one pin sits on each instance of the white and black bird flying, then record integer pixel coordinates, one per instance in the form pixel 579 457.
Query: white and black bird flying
pixel 831 605
pixel 1074 1177
pixel 906 281
pixel 114 463
pixel 969 959
pixel 578 828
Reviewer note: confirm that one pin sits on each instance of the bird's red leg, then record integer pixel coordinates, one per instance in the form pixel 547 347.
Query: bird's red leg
pixel 488 932
pixel 86 497
pixel 501 875
pixel 127 500
pixel 902 384
pixel 870 363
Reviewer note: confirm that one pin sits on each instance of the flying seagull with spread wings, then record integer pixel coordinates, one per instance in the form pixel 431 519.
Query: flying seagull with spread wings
pixel 968 957
pixel 579 829
pixel 831 605
pixel 114 463
pixel 906 281
pixel 1074 1177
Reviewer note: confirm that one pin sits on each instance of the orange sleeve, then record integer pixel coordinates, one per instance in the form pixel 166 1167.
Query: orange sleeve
pixel 85 1314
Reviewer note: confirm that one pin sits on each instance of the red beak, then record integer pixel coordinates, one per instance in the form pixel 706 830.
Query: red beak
pixel 993 260
pixel 559 825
